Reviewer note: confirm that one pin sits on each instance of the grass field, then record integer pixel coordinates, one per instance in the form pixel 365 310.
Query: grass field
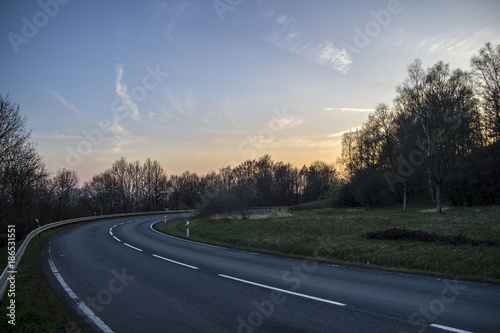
pixel 339 236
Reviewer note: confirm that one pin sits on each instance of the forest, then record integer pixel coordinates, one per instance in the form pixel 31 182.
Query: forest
pixel 437 143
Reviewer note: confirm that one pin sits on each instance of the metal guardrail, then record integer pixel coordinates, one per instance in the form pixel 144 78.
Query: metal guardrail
pixel 8 271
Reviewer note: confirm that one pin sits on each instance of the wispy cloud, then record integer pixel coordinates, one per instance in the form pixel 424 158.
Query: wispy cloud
pixel 451 43
pixel 288 36
pixel 305 143
pixel 63 101
pixel 339 134
pixel 128 105
pixel 119 142
pixel 116 128
pixel 56 136
pixel 328 55
pixel 127 108
pixel 348 109
pixel 285 123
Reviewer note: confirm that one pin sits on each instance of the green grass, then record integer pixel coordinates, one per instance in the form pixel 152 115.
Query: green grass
pixel 38 307
pixel 335 236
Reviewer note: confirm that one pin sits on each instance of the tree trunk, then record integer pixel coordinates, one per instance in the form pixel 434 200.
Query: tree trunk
pixel 430 186
pixel 438 198
pixel 404 198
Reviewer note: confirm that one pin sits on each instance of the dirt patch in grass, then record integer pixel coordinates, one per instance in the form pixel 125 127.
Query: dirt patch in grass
pixel 254 216
pixel 272 213
pixel 396 234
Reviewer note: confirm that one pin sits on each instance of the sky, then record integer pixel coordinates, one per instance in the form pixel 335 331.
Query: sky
pixel 202 84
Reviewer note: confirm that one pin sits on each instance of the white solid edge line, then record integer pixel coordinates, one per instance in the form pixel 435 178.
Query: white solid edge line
pixel 200 243
pixel 451 329
pixel 132 247
pixel 188 240
pixel 174 262
pixel 90 314
pixel 117 238
pixel 283 290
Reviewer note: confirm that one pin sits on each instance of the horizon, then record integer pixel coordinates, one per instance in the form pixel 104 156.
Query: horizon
pixel 198 85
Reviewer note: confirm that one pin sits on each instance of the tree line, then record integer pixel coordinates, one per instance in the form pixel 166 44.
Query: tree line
pixel 130 186
pixel 439 142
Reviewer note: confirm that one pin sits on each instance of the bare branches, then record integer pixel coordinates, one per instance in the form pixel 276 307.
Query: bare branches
pixel 486 70
pixel 13 133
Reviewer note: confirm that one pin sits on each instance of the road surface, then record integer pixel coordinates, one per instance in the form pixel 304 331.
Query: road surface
pixel 122 276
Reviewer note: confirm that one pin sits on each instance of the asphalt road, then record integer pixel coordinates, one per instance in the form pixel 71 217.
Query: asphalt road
pixel 122 276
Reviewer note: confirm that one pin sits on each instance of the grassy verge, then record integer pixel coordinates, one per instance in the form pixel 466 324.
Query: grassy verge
pixel 338 236
pixel 38 306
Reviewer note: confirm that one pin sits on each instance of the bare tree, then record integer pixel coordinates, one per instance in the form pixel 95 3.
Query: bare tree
pixel 135 175
pixel 155 185
pixel 320 177
pixel 185 190
pixel 348 156
pixel 120 173
pixel 264 180
pixel 22 170
pixel 286 184
pixel 64 182
pixel 441 106
pixel 486 69
pixel 13 133
pixel 227 177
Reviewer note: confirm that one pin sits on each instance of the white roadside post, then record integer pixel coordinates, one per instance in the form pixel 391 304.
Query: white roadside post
pixel 165 218
pixel 187 229
pixel 38 226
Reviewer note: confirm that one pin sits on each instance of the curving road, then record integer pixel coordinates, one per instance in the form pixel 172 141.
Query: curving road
pixel 122 276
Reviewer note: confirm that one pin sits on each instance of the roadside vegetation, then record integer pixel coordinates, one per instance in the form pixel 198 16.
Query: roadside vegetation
pixel 39 307
pixel 459 243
